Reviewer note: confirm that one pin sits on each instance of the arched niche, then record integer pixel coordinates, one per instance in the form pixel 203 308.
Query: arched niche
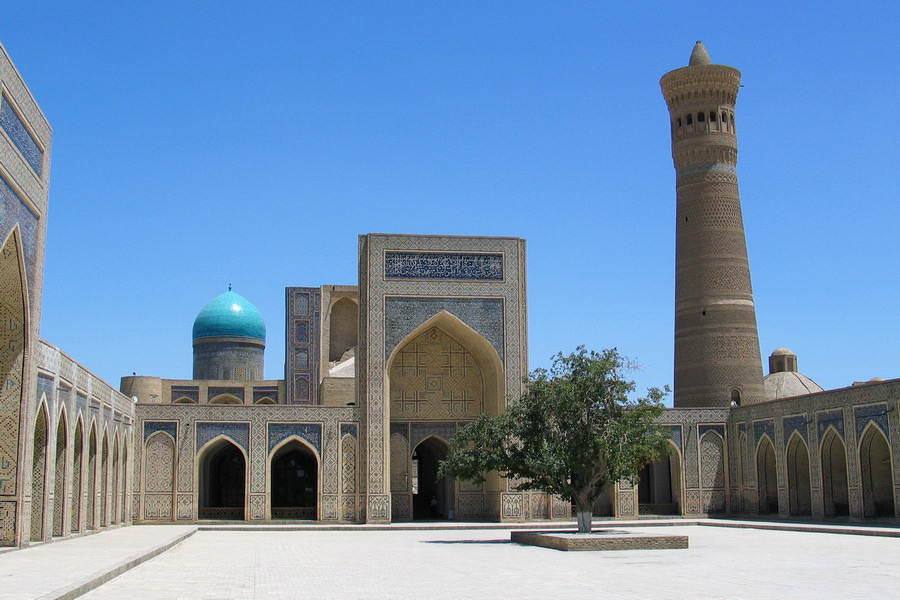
pixel 59 479
pixel 225 399
pixel 77 476
pixel 766 477
pixel 343 328
pixel 875 471
pixel 39 472
pixel 835 488
pixel 294 480
pixel 222 480
pixel 799 492
pixel 431 497
pixel 659 486
pixel 91 475
pixel 104 480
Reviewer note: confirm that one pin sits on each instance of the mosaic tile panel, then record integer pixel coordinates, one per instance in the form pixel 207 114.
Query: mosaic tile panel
pixel 876 414
pixel 151 427
pixel 20 136
pixel 214 392
pixel 443 265
pixel 831 418
pixel 348 429
pixel 239 432
pixel 191 392
pixel 270 392
pixel 675 435
pixel 404 314
pixel 796 423
pixel 12 346
pixel 302 341
pixel 311 432
pixel 763 427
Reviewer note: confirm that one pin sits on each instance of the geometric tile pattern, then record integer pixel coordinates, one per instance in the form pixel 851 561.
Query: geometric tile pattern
pixel 20 136
pixel 311 432
pixel 239 432
pixel 302 342
pixel 484 315
pixel 434 377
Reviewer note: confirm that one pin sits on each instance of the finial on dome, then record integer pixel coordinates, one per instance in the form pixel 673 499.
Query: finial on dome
pixel 699 56
pixel 229 287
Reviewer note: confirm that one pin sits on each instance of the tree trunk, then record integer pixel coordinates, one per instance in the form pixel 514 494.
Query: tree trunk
pixel 584 510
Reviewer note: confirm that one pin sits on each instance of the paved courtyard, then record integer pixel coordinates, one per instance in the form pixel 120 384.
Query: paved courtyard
pixel 720 563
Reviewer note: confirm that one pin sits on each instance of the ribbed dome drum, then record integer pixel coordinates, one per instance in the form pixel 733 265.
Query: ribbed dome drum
pixel 229 338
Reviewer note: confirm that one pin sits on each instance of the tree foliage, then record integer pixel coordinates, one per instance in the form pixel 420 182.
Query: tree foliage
pixel 574 432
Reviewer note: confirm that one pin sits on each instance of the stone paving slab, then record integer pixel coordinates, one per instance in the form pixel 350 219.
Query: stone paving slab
pixel 722 562
pixel 68 568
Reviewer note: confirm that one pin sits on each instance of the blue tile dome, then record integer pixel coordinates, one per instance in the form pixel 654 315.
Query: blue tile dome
pixel 230 315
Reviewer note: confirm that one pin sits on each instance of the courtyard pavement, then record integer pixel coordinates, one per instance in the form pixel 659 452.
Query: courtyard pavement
pixel 737 560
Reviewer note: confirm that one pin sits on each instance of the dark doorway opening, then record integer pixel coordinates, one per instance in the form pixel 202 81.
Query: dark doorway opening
pixel 295 476
pixel 222 483
pixel 433 498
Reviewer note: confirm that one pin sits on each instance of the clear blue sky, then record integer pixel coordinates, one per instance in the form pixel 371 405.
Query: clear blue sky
pixel 201 144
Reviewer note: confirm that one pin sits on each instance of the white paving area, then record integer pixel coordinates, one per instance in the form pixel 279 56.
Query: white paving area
pixel 42 569
pixel 720 563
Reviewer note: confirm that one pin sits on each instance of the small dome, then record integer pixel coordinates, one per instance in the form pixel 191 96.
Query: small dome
pixel 699 56
pixel 782 352
pixel 786 384
pixel 229 315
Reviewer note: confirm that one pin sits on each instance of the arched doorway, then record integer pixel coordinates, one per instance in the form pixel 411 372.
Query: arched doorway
pixel 294 482
pixel 875 467
pixel 834 476
pixel 799 493
pixel 223 472
pixel 766 477
pixel 104 481
pixel 114 482
pixel 659 487
pixel 38 473
pixel 432 498
pixel 59 479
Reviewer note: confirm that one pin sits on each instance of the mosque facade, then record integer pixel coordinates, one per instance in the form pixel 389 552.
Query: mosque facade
pixel 380 375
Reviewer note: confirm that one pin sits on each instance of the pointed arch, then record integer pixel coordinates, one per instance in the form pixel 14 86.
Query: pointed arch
pixel 835 487
pixel 126 478
pixel 660 484
pixel 225 399
pixel 184 400
pixel 875 473
pixel 114 476
pixel 221 469
pixel 799 492
pixel 159 476
pixel 91 477
pixel 343 327
pixel 39 471
pixel 766 476
pixel 14 339
pixel 295 480
pixel 104 479
pixel 77 475
pixel 483 354
pixel 60 471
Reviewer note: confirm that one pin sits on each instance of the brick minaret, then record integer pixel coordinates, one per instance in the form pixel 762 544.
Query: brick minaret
pixel 717 358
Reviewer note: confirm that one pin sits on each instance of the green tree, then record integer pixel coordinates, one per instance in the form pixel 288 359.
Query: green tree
pixel 574 431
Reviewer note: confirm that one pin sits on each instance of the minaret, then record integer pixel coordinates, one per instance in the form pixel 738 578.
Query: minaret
pixel 717 360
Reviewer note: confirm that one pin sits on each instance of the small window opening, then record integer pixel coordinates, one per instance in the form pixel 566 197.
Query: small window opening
pixel 735 397
pixel 724 118
pixel 690 120
pixel 679 121
pixel 712 117
pixel 700 117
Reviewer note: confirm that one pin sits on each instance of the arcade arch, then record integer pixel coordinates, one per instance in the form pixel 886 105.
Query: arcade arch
pixel 766 477
pixel 659 487
pixel 222 473
pixel 294 481
pixel 875 472
pixel 834 475
pixel 799 492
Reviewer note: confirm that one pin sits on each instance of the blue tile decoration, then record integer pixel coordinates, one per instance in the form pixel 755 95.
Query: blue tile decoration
pixel 876 413
pixel 420 431
pixel 20 136
pixel 404 314
pixel 13 211
pixel 707 168
pixel 720 429
pixel 185 391
pixel 311 432
pixel 675 435
pixel 443 265
pixel 303 305
pixel 348 429
pixel 44 386
pixel 170 427
pixel 239 432
pixel 400 429
pixel 237 392
pixel 831 418
pixel 761 427
pixel 797 423
pixel 265 392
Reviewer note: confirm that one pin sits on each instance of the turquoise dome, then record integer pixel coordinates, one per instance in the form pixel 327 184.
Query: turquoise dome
pixel 230 315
